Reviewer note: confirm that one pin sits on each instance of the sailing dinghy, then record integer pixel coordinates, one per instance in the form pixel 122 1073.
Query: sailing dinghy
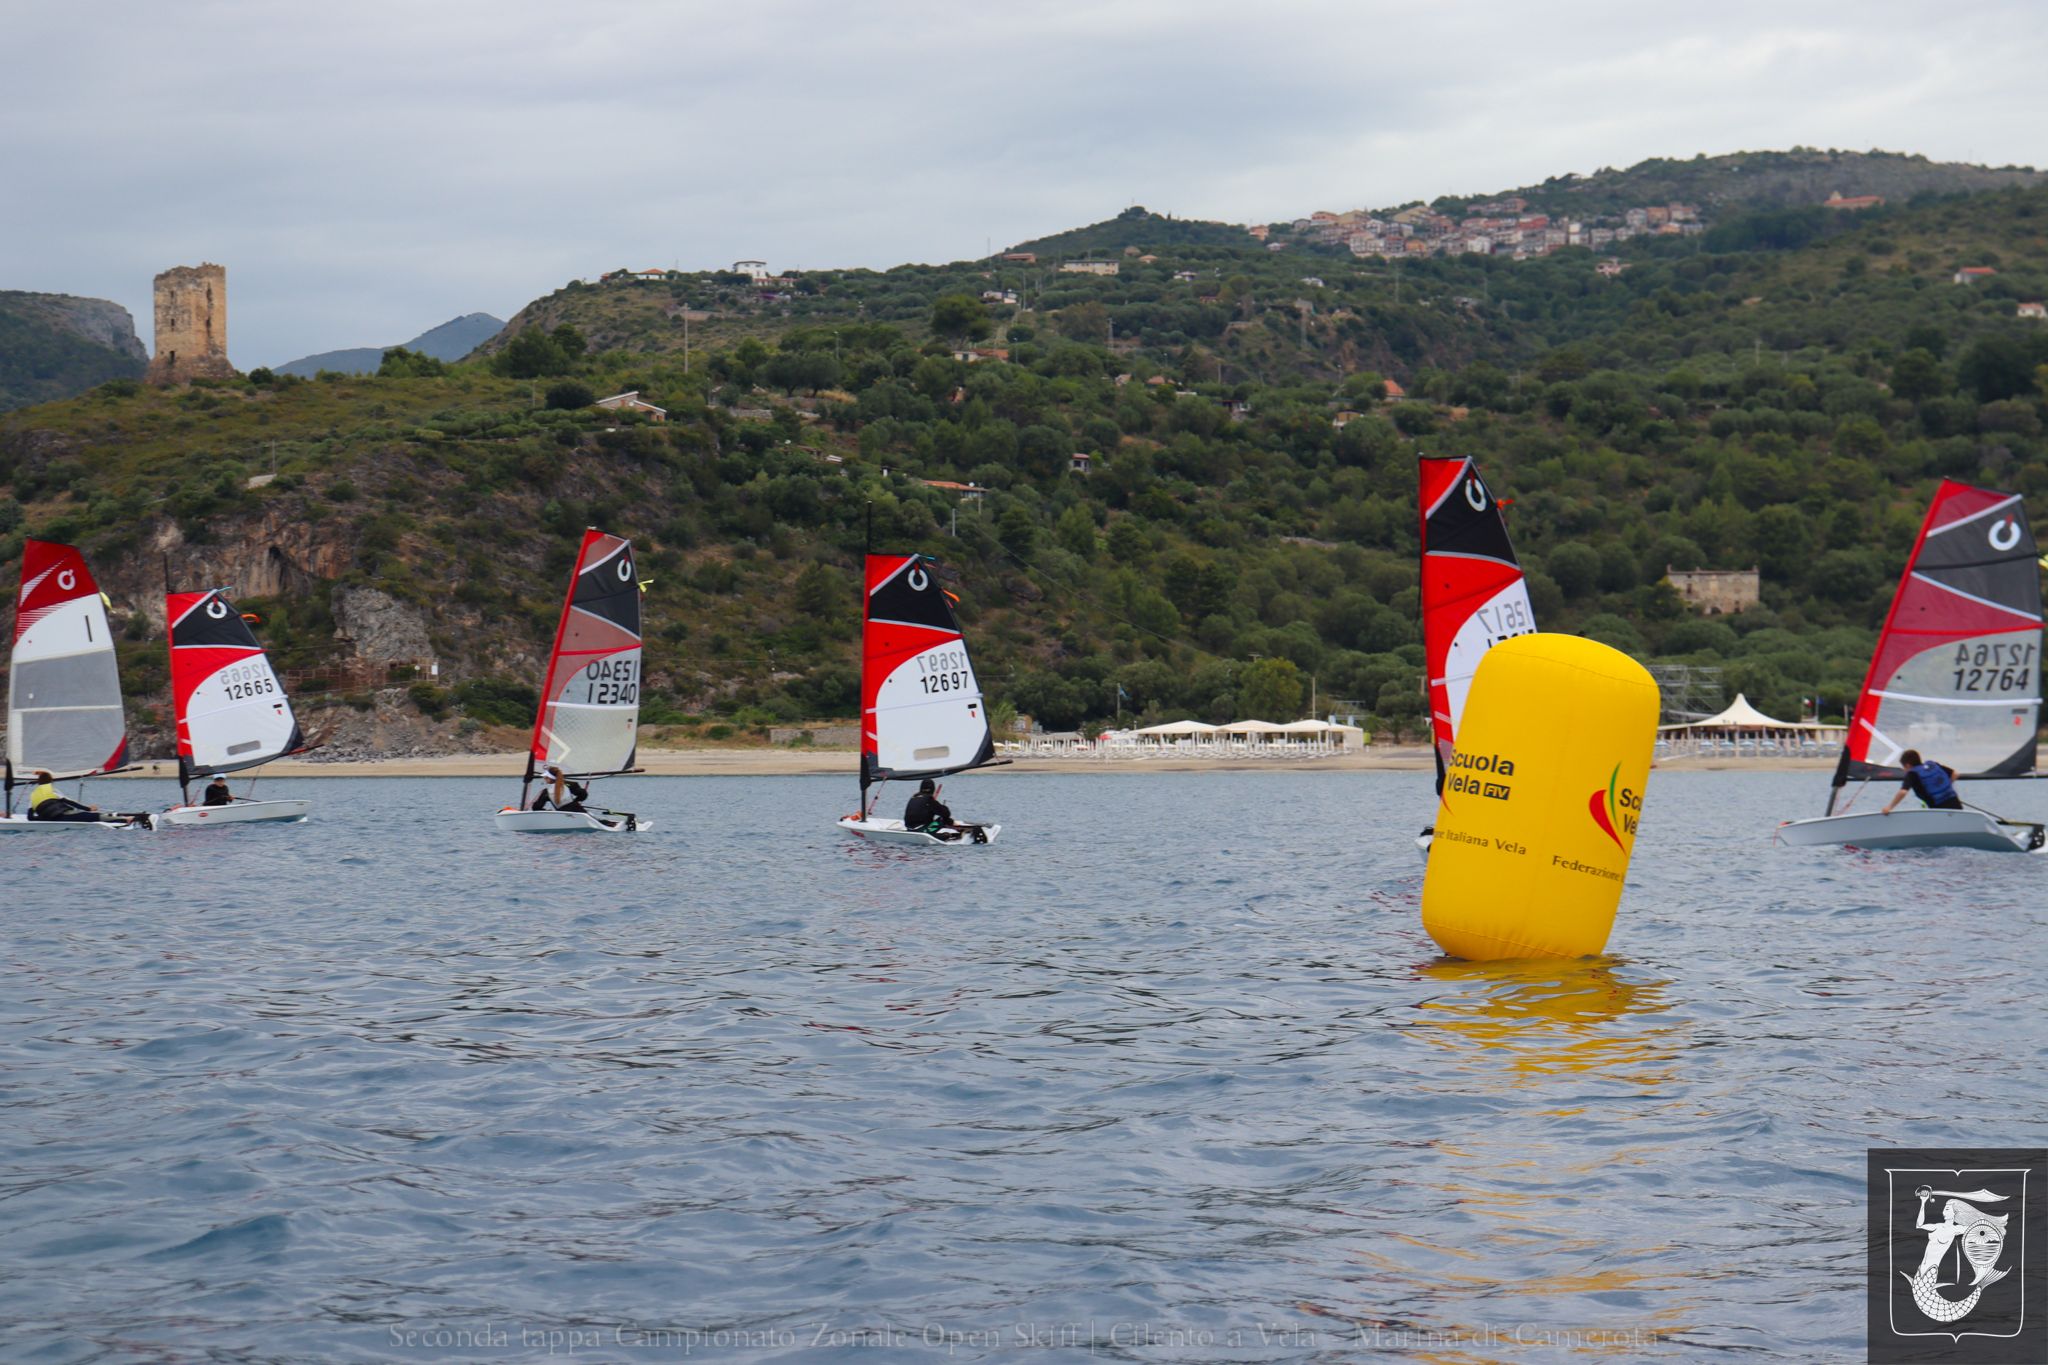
pixel 1956 675
pixel 588 722
pixel 920 706
pixel 232 713
pixel 63 686
pixel 1473 594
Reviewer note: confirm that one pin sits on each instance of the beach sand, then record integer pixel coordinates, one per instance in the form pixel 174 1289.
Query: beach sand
pixel 844 762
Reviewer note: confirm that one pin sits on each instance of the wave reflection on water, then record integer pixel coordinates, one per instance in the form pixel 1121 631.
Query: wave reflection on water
pixel 1169 1072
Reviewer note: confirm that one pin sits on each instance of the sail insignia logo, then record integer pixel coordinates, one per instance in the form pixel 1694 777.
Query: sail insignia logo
pixel 1481 775
pixel 1615 810
pixel 1948 1236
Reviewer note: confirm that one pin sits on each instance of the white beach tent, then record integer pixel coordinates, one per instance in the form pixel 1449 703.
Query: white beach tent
pixel 1325 735
pixel 1740 727
pixel 1179 733
pixel 1739 716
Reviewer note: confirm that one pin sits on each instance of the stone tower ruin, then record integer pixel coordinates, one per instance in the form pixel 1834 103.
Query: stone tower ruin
pixel 191 325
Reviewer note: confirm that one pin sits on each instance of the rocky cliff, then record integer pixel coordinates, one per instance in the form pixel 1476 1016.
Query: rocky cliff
pixel 56 345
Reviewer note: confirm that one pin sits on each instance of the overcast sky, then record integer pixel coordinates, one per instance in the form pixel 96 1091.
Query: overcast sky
pixel 366 170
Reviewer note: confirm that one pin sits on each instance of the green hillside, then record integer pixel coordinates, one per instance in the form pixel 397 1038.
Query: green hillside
pixel 1777 392
pixel 1797 178
pixel 53 346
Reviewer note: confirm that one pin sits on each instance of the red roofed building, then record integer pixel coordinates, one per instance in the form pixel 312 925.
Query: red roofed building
pixel 1838 200
pixel 1970 274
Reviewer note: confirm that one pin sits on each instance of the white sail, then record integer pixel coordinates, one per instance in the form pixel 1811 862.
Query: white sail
pixel 64 687
pixel 231 709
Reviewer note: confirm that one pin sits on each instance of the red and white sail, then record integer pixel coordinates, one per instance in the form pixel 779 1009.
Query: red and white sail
pixel 920 704
pixel 589 717
pixel 1957 672
pixel 64 687
pixel 231 710
pixel 1473 592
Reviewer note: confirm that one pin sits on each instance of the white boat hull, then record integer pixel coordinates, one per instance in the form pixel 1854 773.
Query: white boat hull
pixel 515 821
pixel 893 832
pixel 26 825
pixel 238 813
pixel 1921 828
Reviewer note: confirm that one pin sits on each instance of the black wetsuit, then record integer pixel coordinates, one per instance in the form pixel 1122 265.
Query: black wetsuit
pixel 64 808
pixel 217 794
pixel 922 809
pixel 576 793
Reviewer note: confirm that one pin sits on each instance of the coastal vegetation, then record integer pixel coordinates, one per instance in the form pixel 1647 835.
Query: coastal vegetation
pixel 1185 488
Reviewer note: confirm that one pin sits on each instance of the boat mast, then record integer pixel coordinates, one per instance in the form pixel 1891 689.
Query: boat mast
pixel 1841 779
pixel 867 548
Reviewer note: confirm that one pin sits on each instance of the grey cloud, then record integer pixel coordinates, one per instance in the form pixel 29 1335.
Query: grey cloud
pixel 370 169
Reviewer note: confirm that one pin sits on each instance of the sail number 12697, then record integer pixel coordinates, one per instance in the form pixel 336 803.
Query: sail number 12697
pixel 944 670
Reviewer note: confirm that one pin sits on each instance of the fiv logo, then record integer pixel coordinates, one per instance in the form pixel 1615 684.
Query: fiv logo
pixel 1949 1233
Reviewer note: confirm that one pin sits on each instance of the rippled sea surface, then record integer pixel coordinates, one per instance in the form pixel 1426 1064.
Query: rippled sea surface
pixel 1169 1072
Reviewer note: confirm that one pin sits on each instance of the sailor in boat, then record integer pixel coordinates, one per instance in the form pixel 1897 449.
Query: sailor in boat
pixel 563 795
pixel 217 793
pixel 1934 783
pixel 45 802
pixel 924 811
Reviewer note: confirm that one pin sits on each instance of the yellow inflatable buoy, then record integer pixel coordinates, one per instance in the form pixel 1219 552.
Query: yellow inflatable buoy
pixel 1540 803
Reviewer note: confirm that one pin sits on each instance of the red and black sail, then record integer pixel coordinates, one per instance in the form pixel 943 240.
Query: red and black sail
pixel 1473 592
pixel 922 713
pixel 230 708
pixel 1957 670
pixel 589 717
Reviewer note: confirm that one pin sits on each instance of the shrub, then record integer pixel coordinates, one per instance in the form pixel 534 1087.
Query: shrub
pixel 495 701
pixel 431 700
pixel 569 394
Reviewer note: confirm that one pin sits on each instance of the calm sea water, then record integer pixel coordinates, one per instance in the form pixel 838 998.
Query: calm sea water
pixel 1170 1072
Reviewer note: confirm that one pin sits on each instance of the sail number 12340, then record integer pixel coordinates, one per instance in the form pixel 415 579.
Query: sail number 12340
pixel 611 682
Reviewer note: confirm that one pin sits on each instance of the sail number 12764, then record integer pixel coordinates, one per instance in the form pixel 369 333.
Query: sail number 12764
pixel 1994 667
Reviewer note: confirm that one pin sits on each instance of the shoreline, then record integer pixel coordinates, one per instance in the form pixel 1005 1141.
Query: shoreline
pixel 844 762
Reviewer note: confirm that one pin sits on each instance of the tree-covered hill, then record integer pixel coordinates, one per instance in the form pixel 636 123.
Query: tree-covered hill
pixel 1798 178
pixel 1137 228
pixel 1246 531
pixel 55 345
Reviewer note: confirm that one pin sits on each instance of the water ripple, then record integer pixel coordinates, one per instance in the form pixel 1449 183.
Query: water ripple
pixel 1170 1072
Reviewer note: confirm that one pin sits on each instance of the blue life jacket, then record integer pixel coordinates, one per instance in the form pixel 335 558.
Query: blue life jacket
pixel 1935 785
